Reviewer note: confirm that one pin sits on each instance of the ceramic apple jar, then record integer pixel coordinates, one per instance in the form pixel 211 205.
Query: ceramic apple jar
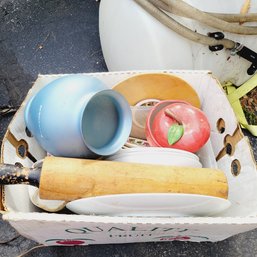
pixel 177 124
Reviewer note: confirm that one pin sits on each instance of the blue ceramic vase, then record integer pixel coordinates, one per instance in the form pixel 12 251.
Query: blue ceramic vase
pixel 77 116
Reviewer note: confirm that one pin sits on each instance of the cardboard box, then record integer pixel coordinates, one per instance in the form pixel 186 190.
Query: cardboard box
pixel 229 146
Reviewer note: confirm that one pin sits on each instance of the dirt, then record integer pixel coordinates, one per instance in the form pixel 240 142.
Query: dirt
pixel 249 105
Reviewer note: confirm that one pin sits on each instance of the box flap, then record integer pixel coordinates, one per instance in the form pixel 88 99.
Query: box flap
pixel 54 229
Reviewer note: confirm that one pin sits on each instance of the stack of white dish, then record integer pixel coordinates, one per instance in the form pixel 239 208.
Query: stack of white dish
pixel 161 204
pixel 157 155
pixel 147 204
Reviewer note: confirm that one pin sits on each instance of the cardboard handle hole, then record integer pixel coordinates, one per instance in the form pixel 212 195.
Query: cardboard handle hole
pixel 22 149
pixel 229 149
pixel 18 164
pixel 235 167
pixel 229 143
pixel 221 125
pixel 28 133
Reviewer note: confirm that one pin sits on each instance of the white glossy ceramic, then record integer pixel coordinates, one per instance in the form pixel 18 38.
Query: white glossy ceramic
pixel 78 116
pixel 150 205
pixel 157 155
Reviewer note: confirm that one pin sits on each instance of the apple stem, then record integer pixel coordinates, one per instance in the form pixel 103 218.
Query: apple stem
pixel 170 114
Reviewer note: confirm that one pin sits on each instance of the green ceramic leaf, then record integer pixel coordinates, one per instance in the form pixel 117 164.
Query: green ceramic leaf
pixel 175 132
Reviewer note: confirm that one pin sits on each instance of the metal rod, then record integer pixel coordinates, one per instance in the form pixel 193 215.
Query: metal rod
pixel 12 174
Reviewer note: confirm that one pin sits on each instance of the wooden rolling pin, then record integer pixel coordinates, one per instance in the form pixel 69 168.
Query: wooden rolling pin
pixel 69 179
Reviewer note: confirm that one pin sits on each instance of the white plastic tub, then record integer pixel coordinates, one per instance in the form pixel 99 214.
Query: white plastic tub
pixel 132 39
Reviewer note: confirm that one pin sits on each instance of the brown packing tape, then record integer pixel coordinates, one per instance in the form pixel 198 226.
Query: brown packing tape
pixel 20 144
pixel 1 197
pixel 230 142
pixel 15 143
pixel 11 138
pixel 1 187
pixel 2 208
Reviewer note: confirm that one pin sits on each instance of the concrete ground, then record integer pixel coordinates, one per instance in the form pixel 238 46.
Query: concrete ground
pixel 61 36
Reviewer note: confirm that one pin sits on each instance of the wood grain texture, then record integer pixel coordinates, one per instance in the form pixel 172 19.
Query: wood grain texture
pixel 69 179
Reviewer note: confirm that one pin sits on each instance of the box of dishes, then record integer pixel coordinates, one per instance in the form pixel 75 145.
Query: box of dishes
pixel 121 157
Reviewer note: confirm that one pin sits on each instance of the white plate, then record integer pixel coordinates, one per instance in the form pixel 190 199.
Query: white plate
pixel 157 155
pixel 150 205
pixel 156 150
